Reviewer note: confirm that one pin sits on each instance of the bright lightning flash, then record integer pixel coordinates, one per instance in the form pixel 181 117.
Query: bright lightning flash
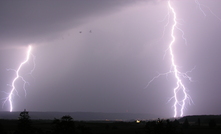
pixel 11 93
pixel 179 103
pixel 179 83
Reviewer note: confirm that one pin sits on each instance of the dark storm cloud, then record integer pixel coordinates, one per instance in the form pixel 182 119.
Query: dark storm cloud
pixel 32 21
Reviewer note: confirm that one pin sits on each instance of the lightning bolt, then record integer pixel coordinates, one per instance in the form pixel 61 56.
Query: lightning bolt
pixel 177 73
pixel 179 103
pixel 18 76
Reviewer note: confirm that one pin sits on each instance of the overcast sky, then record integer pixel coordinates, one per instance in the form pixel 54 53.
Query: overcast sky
pixel 99 55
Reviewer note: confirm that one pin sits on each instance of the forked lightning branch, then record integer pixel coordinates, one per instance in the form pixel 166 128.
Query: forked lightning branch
pixel 180 89
pixel 13 90
pixel 179 103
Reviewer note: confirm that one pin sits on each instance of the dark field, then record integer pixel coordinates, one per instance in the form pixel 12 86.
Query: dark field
pixel 208 124
pixel 81 127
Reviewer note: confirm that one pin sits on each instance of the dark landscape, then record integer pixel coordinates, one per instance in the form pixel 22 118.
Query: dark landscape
pixel 105 123
pixel 82 116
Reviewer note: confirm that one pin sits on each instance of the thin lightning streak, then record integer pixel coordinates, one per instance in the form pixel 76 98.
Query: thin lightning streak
pixel 168 21
pixel 11 93
pixel 200 7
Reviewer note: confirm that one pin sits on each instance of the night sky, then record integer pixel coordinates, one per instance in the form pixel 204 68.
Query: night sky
pixel 99 55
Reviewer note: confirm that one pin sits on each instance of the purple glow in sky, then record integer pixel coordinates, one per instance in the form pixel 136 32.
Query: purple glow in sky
pixel 98 56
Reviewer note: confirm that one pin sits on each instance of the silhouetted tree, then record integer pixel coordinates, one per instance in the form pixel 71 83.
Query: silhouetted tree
pixel 186 124
pixel 64 126
pixel 176 127
pixel 176 123
pixel 169 127
pixel 159 128
pixel 24 123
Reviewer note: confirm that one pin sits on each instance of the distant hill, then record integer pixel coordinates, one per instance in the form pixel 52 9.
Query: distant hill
pixel 203 118
pixel 81 115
